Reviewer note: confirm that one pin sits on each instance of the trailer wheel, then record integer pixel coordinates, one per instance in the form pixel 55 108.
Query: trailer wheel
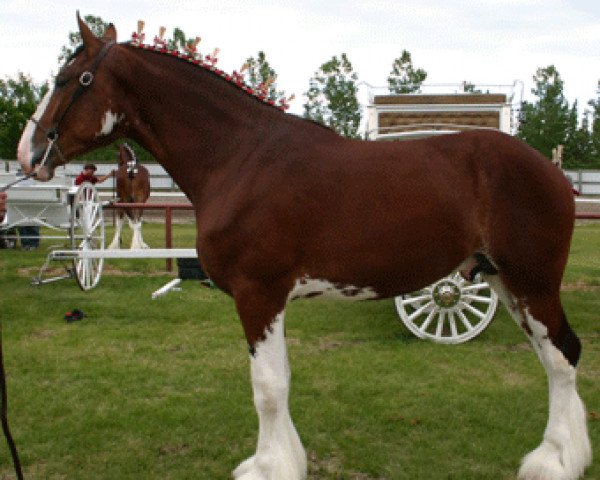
pixel 87 233
pixel 451 310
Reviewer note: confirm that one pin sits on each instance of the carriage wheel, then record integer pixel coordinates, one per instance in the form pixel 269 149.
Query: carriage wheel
pixel 87 233
pixel 451 310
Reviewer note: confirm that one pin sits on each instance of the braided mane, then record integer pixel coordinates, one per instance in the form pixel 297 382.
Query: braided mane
pixel 209 63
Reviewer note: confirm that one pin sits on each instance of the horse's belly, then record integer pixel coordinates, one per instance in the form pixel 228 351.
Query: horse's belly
pixel 307 287
pixel 381 259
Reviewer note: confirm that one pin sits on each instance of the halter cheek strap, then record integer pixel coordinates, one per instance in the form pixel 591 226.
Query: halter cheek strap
pixel 85 80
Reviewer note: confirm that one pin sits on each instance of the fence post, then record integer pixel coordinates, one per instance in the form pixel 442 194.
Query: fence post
pixel 168 236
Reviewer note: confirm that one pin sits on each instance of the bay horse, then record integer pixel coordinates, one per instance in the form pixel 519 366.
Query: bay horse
pixel 133 186
pixel 286 208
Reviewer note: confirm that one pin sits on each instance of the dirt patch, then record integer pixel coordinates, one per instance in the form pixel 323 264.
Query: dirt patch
pixel 579 286
pixel 336 341
pixel 43 334
pixel 587 207
pixel 174 449
pixel 114 271
pixel 109 270
pixel 320 467
pixel 31 271
pixel 520 347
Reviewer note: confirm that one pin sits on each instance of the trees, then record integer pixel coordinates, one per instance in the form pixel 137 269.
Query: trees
pixel 96 24
pixel 178 41
pixel 594 114
pixel 404 77
pixel 18 99
pixel 550 121
pixel 261 76
pixel 544 123
pixel 332 97
pixel 469 87
pixel 578 149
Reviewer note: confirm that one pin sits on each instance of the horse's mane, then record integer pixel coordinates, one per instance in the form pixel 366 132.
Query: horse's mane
pixel 233 79
pixel 77 51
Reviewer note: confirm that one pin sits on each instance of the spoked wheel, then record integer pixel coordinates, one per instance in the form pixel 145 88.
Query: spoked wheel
pixel 451 310
pixel 87 233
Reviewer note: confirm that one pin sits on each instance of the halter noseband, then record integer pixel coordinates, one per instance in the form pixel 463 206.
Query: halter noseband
pixel 85 80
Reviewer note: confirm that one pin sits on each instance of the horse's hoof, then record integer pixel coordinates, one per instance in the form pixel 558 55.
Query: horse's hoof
pixel 544 463
pixel 247 471
pixel 251 469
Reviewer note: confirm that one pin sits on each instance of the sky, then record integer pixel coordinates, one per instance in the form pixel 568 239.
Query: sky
pixel 485 42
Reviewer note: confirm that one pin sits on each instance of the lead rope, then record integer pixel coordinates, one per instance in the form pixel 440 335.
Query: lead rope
pixel 51 135
pixel 4 417
pixel 18 180
pixel 4 401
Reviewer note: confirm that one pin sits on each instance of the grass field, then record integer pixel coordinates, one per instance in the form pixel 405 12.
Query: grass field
pixel 159 389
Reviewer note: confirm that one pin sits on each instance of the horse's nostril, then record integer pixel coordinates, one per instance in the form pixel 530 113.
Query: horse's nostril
pixel 35 160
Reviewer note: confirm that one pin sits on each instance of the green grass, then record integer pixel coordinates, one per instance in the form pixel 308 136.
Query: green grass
pixel 159 389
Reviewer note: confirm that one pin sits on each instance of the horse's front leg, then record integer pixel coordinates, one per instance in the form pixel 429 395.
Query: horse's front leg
pixel 116 241
pixel 279 452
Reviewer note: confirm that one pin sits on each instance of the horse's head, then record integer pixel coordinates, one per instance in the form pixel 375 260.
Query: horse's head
pixel 78 114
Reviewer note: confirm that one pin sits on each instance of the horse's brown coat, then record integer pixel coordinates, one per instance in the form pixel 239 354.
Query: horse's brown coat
pixel 280 200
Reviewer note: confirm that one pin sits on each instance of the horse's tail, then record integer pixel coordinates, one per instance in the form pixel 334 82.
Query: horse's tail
pixel 133 164
pixel 530 202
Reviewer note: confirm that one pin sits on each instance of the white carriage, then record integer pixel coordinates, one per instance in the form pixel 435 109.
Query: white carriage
pixel 73 214
pixel 452 310
pixel 32 203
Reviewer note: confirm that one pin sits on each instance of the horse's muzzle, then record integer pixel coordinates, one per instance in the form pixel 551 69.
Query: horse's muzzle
pixel 44 173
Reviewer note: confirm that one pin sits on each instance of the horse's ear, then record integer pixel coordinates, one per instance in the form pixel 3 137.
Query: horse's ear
pixel 90 41
pixel 110 33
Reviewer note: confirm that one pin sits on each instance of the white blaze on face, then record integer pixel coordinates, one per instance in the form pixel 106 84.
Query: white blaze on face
pixel 109 121
pixel 25 150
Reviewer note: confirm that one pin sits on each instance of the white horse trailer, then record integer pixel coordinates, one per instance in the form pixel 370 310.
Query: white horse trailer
pixel 31 203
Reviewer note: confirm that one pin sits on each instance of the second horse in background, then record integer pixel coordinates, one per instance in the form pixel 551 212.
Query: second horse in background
pixel 133 186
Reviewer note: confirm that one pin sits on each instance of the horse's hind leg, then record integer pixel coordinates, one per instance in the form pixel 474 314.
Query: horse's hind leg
pixel 565 450
pixel 137 241
pixel 116 241
pixel 279 452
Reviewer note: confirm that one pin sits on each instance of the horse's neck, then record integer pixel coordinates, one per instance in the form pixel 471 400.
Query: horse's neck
pixel 204 126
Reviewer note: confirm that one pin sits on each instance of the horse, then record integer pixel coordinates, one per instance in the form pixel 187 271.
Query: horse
pixel 286 208
pixel 133 186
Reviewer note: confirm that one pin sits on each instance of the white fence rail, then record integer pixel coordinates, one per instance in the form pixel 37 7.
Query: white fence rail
pixel 159 178
pixel 587 182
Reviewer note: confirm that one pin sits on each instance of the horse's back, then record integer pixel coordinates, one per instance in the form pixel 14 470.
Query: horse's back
pixel 361 212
